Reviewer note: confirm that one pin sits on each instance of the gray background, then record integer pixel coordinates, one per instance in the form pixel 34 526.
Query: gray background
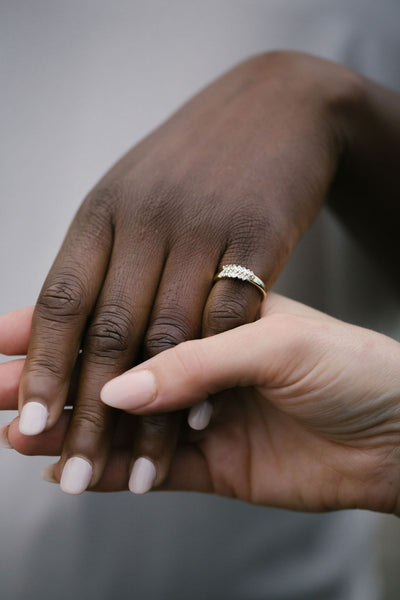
pixel 80 83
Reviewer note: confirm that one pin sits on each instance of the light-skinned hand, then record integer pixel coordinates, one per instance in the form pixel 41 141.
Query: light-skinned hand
pixel 306 412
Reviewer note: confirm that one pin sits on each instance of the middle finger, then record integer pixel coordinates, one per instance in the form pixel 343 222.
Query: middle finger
pixel 176 317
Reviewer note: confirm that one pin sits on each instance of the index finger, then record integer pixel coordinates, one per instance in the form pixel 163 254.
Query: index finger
pixel 63 307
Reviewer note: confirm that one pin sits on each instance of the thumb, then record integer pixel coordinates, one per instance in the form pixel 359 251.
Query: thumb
pixel 190 372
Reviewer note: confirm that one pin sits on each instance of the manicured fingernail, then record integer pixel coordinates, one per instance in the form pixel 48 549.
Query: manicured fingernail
pixel 143 476
pixel 48 474
pixel 33 418
pixel 76 475
pixel 131 390
pixel 4 443
pixel 200 415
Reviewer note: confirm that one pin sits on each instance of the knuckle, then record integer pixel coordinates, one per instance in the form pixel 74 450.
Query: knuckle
pixel 109 334
pixel 97 215
pixel 165 332
pixel 162 206
pixel 47 364
pixel 252 226
pixel 225 315
pixel 104 198
pixel 62 297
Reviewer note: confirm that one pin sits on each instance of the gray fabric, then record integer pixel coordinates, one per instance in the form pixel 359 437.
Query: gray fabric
pixel 81 82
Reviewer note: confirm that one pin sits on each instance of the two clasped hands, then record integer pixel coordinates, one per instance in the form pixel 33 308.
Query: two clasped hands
pixel 304 407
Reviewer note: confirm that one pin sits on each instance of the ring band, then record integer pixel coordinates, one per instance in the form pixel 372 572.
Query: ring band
pixel 238 272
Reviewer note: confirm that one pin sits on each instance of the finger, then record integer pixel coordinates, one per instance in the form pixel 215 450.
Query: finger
pixel 155 442
pixel 64 304
pixel 48 443
pixel 188 471
pixel 193 371
pixel 15 331
pixel 200 415
pixel 232 302
pixel 10 375
pixel 176 317
pixel 109 348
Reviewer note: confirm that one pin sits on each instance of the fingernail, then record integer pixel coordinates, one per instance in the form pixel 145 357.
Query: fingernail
pixel 143 476
pixel 4 443
pixel 76 475
pixel 200 415
pixel 131 390
pixel 48 474
pixel 33 418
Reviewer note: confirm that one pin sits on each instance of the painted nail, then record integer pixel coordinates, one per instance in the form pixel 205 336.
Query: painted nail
pixel 200 415
pixel 48 474
pixel 76 475
pixel 4 443
pixel 143 476
pixel 131 390
pixel 33 418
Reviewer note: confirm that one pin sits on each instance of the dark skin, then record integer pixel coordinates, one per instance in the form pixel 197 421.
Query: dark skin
pixel 236 176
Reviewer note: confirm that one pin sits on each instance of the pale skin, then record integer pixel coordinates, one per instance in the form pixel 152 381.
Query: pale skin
pixel 236 176
pixel 306 411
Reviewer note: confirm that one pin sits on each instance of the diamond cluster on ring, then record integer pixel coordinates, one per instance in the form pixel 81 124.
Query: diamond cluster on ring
pixel 236 272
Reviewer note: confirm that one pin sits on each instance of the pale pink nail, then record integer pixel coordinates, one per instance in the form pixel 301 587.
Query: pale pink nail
pixel 143 476
pixel 130 391
pixel 76 475
pixel 33 418
pixel 200 415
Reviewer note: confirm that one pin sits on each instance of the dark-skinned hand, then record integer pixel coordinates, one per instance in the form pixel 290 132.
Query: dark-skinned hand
pixel 236 176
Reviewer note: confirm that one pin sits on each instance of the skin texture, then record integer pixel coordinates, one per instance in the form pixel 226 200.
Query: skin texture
pixel 236 176
pixel 306 415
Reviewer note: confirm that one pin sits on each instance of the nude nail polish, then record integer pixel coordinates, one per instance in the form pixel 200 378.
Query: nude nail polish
pixel 4 443
pixel 76 475
pixel 143 476
pixel 131 390
pixel 200 415
pixel 33 418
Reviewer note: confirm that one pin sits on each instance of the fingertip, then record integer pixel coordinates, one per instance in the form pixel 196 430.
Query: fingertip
pixel 130 391
pixel 33 418
pixel 200 415
pixel 143 476
pixel 76 475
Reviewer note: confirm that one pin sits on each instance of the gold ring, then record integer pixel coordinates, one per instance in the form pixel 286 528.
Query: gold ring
pixel 238 272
